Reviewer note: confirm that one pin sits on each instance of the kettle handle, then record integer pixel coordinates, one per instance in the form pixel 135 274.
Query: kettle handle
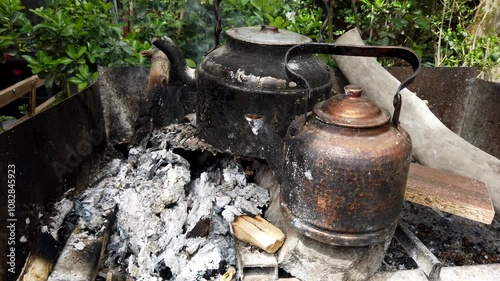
pixel 360 51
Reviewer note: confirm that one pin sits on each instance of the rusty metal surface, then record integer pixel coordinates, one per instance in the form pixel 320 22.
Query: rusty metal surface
pixel 344 186
pixel 424 258
pixel 468 106
pixel 52 152
pixel 481 125
pixel 122 91
pixel 446 88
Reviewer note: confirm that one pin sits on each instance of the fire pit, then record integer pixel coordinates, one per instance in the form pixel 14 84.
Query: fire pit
pixel 162 211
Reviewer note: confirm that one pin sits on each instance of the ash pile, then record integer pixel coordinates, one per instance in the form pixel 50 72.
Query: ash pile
pixel 172 217
pixel 173 222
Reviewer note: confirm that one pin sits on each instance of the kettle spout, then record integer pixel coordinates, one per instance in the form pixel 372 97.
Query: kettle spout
pixel 178 62
pixel 271 142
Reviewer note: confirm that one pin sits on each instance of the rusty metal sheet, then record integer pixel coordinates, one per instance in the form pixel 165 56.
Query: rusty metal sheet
pixel 123 90
pixel 446 88
pixel 51 152
pixel 424 258
pixel 481 125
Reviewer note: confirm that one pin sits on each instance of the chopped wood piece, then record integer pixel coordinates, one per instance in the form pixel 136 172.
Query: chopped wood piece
pixel 41 259
pixel 258 232
pixel 451 193
pixel 44 253
pixel 229 275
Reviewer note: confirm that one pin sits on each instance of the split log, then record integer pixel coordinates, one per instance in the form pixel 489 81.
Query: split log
pixel 434 145
pixel 229 275
pixel 450 193
pixel 41 259
pixel 258 232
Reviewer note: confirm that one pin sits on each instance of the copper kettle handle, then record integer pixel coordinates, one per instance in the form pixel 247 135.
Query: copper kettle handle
pixel 360 51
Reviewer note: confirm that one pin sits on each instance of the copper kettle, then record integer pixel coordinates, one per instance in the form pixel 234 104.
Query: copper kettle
pixel 343 167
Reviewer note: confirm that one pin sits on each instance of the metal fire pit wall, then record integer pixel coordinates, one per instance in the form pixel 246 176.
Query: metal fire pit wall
pixel 468 106
pixel 50 153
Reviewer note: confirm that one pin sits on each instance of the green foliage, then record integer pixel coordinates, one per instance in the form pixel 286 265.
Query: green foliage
pixel 400 22
pixel 183 20
pixel 6 118
pixel 435 30
pixel 76 36
pixel 301 16
pixel 456 45
pixel 461 48
pixel 13 26
pixel 23 109
pixel 191 22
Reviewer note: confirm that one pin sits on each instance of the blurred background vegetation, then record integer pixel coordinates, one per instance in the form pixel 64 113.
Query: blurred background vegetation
pixel 65 40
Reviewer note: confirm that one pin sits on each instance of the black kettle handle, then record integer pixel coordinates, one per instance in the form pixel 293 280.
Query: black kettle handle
pixel 360 51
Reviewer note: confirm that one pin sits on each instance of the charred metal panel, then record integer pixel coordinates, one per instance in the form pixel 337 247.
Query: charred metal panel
pixel 481 125
pixel 446 88
pixel 123 90
pixel 52 152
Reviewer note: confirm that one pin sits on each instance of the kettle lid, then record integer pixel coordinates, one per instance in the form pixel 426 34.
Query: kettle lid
pixel 267 35
pixel 352 110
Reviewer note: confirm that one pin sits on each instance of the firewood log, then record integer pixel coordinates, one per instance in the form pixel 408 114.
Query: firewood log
pixel 258 232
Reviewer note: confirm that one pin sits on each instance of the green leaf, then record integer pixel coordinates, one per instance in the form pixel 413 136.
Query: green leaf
pixel 423 23
pixel 75 80
pixel 191 63
pixel 81 51
pixel 64 61
pixel 30 60
pixel 278 22
pixel 82 86
pixel 269 18
pixel 379 3
pixel 71 51
pixel 84 70
pixel 257 4
pixel 95 76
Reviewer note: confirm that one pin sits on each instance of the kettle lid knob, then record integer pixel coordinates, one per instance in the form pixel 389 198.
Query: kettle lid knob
pixel 352 110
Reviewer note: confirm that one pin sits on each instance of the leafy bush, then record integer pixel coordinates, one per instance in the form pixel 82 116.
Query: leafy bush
pixel 13 27
pixel 73 38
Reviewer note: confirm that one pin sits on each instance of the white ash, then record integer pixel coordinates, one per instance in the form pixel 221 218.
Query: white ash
pixel 168 222
pixel 54 221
